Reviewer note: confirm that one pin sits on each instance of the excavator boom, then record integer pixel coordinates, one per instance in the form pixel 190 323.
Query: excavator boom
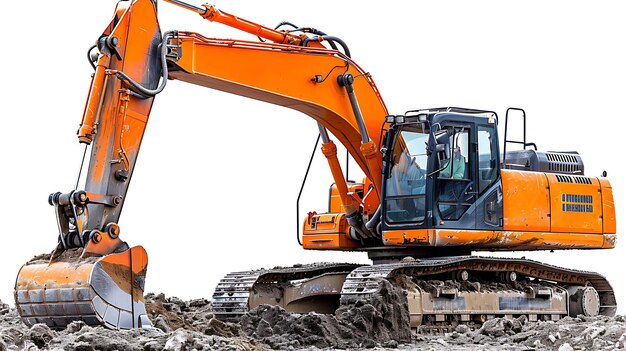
pixel 300 78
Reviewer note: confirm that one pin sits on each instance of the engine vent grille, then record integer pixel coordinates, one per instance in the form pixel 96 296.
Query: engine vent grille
pixel 561 157
pixel 551 162
pixel 571 179
pixel 563 163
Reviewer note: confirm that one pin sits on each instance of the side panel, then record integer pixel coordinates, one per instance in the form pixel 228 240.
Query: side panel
pixel 327 231
pixel 526 201
pixel 408 237
pixel 496 239
pixel 576 204
pixel 608 207
pixel 514 240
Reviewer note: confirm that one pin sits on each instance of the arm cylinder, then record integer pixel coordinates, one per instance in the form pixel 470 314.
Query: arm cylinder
pixel 212 14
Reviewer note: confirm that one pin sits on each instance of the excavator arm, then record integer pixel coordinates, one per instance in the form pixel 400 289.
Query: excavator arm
pixel 93 275
pixel 96 277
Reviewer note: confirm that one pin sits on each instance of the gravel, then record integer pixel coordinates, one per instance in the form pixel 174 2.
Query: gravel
pixel 357 324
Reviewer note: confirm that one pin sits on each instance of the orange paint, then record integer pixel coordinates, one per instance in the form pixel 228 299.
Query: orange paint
pixel 87 128
pixel 105 246
pixel 282 75
pixel 214 15
pixel 417 237
pixel 576 205
pixel 349 204
pixel 56 274
pixel 329 231
pixel 526 201
pixel 608 207
pixel 496 240
pixel 336 204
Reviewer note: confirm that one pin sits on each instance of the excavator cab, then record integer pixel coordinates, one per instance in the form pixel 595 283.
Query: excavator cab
pixel 468 196
pixel 441 167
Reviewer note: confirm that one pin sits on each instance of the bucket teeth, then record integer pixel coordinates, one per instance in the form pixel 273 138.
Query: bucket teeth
pixel 104 291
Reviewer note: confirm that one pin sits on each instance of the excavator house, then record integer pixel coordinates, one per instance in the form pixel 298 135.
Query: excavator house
pixel 436 188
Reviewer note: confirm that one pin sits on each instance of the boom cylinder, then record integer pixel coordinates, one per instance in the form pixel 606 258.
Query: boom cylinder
pixel 329 149
pixel 368 147
pixel 350 204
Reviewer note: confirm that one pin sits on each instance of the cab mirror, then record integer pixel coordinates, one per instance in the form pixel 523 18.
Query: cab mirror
pixel 442 146
pixel 443 153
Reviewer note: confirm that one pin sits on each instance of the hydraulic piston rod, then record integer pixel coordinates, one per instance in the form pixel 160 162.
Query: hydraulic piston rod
pixel 213 14
pixel 368 146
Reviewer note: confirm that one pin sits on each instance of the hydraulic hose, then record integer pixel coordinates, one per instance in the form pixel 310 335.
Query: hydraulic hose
pixel 373 222
pixel 306 30
pixel 89 56
pixel 151 92
pixel 331 39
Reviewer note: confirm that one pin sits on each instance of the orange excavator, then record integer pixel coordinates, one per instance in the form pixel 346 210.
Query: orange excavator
pixel 436 188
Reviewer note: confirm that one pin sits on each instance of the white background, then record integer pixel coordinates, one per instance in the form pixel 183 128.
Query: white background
pixel 216 181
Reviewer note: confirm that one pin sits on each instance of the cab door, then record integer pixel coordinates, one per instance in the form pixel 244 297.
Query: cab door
pixel 488 186
pixel 455 184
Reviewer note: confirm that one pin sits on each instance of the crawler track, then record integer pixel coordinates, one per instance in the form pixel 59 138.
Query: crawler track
pixel 363 279
pixel 440 310
pixel 544 294
pixel 232 294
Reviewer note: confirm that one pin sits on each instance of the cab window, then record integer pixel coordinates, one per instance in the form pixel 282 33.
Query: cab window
pixel 487 157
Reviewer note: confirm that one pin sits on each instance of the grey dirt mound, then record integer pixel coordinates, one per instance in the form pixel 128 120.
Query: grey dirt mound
pixel 179 326
pixel 378 324
pixel 357 323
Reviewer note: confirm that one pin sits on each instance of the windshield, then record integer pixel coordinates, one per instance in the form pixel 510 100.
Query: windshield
pixel 406 181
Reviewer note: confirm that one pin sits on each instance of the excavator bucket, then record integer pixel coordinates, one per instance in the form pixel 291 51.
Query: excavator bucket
pixel 98 290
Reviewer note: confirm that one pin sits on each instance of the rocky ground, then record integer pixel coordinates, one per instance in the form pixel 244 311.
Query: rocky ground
pixel 189 325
